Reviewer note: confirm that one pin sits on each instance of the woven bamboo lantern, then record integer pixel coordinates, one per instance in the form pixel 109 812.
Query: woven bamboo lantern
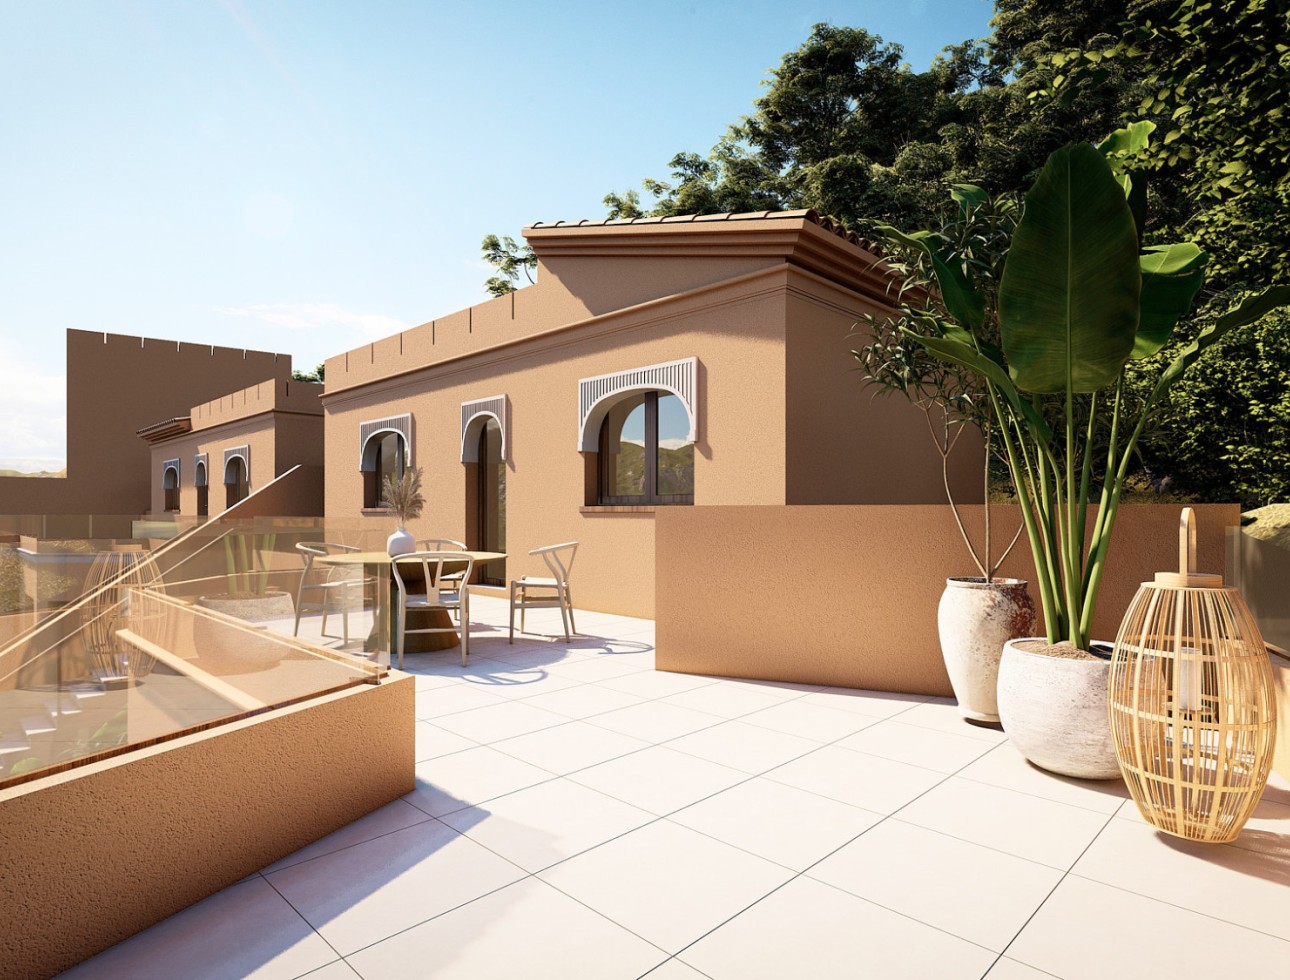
pixel 112 578
pixel 1192 710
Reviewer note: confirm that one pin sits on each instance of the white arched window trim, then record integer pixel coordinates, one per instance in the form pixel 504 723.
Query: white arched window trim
pixel 596 396
pixel 474 415
pixel 237 452
pixel 201 469
pixel 368 433
pixel 168 467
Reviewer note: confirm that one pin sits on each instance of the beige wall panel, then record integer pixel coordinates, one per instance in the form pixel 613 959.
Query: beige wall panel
pixel 93 856
pixel 603 283
pixel 114 388
pixel 848 595
pixel 846 446
pixel 298 440
pixel 739 457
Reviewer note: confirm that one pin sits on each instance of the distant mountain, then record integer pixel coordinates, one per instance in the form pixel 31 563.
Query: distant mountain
pixel 675 470
pixel 43 473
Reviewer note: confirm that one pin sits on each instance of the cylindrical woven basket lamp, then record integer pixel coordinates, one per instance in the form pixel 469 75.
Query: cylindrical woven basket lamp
pixel 1192 710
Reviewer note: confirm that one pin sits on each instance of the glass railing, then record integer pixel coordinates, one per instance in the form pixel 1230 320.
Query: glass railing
pixel 122 632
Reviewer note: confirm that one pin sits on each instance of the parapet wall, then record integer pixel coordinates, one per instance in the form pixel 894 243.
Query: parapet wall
pixel 273 395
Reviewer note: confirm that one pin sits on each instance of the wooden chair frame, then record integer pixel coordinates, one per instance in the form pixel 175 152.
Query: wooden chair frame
pixel 551 592
pixel 436 595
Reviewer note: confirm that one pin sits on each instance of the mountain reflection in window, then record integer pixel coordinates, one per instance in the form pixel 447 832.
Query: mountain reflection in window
pixel 646 455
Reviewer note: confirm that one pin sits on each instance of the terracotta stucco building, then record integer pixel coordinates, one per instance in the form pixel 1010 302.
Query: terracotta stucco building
pixel 656 363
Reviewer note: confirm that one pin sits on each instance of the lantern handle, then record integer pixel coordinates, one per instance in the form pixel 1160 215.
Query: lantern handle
pixel 1187 543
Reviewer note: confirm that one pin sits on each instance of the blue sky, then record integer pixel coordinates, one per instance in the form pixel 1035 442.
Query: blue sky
pixel 306 176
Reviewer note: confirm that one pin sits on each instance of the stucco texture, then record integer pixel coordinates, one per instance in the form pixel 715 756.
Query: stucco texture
pixel 92 856
pixel 847 595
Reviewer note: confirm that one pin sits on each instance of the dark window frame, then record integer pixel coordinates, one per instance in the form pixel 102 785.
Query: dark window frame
pixel 651 497
pixel 481 504
pixel 372 478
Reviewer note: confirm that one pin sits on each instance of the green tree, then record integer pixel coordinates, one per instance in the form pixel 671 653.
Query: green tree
pixel 509 260
pixel 317 374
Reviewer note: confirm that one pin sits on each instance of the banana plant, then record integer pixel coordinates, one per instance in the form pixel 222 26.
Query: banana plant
pixel 247 568
pixel 1079 299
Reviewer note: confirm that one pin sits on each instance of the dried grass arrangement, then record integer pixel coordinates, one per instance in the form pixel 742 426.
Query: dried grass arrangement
pixel 403 497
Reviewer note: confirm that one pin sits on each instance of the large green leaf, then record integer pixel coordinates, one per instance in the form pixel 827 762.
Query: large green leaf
pixel 1171 275
pixel 1068 301
pixel 1248 310
pixel 965 303
pixel 956 351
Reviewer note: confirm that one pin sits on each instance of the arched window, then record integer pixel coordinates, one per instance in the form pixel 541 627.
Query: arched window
pixel 384 454
pixel 203 492
pixel 646 452
pixel 236 481
pixel 170 484
pixel 491 480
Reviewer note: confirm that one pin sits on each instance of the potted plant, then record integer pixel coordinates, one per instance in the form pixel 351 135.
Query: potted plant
pixel 403 499
pixel 977 613
pixel 249 596
pixel 1079 299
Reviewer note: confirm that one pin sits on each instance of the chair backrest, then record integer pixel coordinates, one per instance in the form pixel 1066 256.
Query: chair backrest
pixel 432 565
pixel 309 550
pixel 441 544
pixel 559 564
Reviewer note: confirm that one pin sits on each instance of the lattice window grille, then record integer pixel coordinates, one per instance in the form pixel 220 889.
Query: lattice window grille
pixel 678 377
pixel 494 406
pixel 401 424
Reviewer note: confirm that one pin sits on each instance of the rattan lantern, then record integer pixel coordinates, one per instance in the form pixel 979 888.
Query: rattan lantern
pixel 113 578
pixel 1192 709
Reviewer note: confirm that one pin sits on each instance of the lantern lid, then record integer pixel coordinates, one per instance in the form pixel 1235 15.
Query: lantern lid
pixel 1187 577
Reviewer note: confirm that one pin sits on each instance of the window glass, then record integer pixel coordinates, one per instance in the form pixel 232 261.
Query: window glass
pixel 675 449
pixel 623 452
pixel 492 501
pixel 390 460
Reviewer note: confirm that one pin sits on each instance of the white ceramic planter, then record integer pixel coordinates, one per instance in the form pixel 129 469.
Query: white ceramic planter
pixel 976 618
pixel 225 649
pixel 1055 712
pixel 400 543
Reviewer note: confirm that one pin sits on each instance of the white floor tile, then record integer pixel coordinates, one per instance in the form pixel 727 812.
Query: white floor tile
pixel 583 700
pixel 515 683
pixel 498 721
pixel 656 683
pixel 654 721
pixel 246 930
pixel 780 823
pixel 1244 887
pixel 544 824
pixel 433 741
pixel 808 929
pixel 1007 768
pixel 941 881
pixel 443 701
pixel 368 892
pixel 866 781
pixel 880 704
pixel 1016 823
pixel 922 747
pixel 389 818
pixel 667 883
pixel 726 700
pixel 591 670
pixel 569 747
pixel 340 970
pixel 1008 969
pixel 944 716
pixel 744 747
pixel 659 779
pixel 812 721
pixel 466 778
pixel 1090 931
pixel 527 929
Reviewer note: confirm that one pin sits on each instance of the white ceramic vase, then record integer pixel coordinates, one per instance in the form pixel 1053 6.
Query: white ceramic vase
pixel 976 618
pixel 400 542
pixel 1055 711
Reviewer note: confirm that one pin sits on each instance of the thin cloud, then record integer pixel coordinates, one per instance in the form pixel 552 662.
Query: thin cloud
pixel 309 317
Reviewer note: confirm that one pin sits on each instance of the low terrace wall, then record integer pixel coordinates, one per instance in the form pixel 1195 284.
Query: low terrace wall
pixel 847 595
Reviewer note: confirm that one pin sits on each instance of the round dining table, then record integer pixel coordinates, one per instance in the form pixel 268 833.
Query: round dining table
pixel 382 636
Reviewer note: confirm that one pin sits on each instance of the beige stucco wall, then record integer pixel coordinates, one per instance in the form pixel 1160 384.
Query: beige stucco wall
pixel 116 385
pixel 844 445
pixel 737 336
pixel 280 421
pixel 1281 687
pixel 848 595
pixel 92 856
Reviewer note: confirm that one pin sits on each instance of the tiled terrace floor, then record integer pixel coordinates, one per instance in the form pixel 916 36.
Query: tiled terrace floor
pixel 579 815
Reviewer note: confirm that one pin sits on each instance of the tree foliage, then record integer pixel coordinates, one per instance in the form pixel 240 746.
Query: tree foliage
pixel 509 260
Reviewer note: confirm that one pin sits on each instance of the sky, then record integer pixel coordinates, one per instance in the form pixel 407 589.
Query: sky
pixel 304 177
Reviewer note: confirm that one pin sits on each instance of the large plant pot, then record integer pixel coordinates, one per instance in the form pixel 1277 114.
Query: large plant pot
pixel 274 604
pixel 976 618
pixel 225 649
pixel 1055 712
